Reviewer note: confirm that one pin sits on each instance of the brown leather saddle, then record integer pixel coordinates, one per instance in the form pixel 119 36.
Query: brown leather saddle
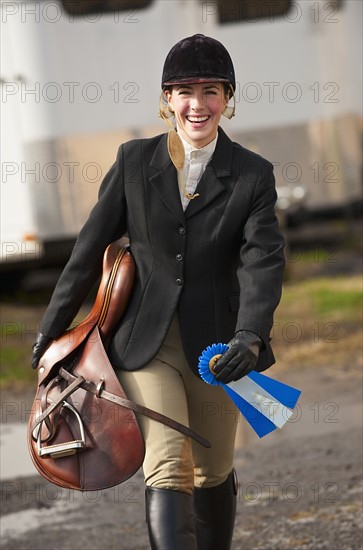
pixel 83 432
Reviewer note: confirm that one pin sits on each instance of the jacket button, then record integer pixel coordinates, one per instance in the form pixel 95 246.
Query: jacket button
pixel 179 257
pixel 181 230
pixel 179 282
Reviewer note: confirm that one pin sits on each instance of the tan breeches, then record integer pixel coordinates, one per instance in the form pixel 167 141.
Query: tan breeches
pixel 167 385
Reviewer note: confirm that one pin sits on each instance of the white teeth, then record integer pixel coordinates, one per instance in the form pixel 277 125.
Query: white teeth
pixel 197 119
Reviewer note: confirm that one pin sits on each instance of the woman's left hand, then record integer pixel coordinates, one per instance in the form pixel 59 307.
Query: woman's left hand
pixel 239 359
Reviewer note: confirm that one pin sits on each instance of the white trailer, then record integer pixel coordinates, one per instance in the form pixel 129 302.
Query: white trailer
pixel 79 78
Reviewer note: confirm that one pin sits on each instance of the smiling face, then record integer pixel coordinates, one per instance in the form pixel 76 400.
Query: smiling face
pixel 197 109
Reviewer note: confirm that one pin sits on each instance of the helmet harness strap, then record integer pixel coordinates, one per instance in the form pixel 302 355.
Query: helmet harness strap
pixel 229 112
pixel 175 144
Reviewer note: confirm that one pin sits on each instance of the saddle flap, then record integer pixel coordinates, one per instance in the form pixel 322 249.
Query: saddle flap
pixel 112 296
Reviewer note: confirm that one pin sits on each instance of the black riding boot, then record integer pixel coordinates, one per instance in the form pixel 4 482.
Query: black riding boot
pixel 214 514
pixel 169 516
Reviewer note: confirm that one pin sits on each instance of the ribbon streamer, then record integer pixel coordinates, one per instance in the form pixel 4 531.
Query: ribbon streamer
pixel 265 403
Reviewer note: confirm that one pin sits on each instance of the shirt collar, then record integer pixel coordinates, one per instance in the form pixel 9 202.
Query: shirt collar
pixel 203 154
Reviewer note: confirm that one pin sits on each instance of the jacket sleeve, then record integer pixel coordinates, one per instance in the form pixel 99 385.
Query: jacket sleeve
pixel 106 223
pixel 262 262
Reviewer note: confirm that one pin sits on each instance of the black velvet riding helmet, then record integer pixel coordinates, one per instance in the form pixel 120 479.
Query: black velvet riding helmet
pixel 198 58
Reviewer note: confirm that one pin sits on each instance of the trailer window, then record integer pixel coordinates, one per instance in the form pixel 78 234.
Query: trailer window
pixel 84 7
pixel 233 11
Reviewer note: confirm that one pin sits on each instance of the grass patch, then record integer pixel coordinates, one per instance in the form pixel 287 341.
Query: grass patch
pixel 17 334
pixel 340 297
pixel 15 368
pixel 318 323
pixel 345 302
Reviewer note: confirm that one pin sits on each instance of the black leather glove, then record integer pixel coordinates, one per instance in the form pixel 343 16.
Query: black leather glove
pixel 40 345
pixel 240 358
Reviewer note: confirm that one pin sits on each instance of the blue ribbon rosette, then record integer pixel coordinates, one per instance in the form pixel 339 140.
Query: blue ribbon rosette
pixel 265 403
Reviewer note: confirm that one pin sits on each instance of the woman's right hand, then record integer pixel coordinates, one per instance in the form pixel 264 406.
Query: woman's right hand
pixel 40 345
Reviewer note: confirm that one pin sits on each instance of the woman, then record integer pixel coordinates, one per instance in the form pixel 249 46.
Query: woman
pixel 199 213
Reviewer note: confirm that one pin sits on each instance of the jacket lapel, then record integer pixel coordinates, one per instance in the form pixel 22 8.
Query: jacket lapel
pixel 165 181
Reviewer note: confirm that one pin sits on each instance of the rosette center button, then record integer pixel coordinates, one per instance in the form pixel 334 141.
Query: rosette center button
pixel 179 257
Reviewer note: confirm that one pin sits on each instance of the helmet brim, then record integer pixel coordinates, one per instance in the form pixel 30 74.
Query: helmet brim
pixel 195 80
